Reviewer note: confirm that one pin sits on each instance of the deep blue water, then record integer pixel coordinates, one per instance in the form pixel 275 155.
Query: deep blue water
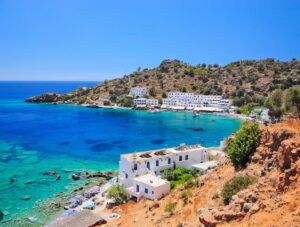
pixel 45 136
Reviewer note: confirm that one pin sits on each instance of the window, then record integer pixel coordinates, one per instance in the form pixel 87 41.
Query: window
pixel 169 161
pixel 180 158
pixel 152 192
pixel 186 157
pixel 126 175
pixel 137 188
pixel 135 167
pixel 148 165
pixel 157 162
pixel 146 190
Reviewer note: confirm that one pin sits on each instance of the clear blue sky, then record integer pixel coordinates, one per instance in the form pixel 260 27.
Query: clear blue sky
pixel 96 40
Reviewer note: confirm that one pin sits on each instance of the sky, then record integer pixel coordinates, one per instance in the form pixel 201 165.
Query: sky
pixel 94 40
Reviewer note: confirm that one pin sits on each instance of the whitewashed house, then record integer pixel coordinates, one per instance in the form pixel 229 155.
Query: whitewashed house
pixel 138 92
pixel 261 114
pixel 134 168
pixel 149 186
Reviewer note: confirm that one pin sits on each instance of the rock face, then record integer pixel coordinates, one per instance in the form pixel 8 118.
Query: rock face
pixel 276 163
pixel 45 98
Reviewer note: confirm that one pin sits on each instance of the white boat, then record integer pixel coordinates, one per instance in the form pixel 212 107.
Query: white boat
pixel 195 114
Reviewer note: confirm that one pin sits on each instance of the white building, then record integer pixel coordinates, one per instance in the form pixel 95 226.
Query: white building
pixel 145 102
pixel 261 114
pixel 138 92
pixel 191 101
pixel 134 168
pixel 149 186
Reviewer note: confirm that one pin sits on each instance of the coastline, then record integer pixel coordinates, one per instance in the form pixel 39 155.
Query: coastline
pixel 225 114
pixel 119 108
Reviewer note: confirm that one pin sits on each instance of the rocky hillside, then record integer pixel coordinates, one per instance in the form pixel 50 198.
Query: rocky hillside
pixel 272 200
pixel 249 81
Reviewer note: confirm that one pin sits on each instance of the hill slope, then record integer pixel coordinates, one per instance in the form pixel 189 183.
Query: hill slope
pixel 249 81
pixel 274 200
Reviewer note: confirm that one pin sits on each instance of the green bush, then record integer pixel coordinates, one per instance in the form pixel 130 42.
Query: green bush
pixel 185 196
pixel 118 193
pixel 244 144
pixel 178 176
pixel 190 183
pixel 106 103
pixel 170 207
pixel 235 185
pixel 246 109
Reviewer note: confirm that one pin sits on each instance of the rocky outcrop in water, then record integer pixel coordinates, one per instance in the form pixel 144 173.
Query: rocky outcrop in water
pixel 45 98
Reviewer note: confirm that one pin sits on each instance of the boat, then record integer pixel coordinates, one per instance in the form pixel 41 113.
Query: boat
pixel 92 106
pixel 195 114
pixel 152 110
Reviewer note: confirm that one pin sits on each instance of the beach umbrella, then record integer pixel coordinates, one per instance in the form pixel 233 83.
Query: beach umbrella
pixel 79 197
pixel 90 205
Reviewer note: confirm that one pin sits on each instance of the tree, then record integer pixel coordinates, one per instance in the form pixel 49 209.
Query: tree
pixel 244 144
pixel 275 104
pixel 293 99
pixel 152 91
pixel 118 193
pixel 183 89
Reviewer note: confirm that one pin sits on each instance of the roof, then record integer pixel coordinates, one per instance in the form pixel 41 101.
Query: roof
pixel 83 218
pixel 151 180
pixel 138 156
pixel 206 165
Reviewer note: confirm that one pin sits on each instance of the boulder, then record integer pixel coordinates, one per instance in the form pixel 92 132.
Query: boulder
pixel 254 209
pixel 247 207
pixel 75 176
pixel 153 206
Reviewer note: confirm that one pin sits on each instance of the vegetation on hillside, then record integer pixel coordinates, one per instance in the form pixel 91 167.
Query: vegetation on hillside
pixel 182 176
pixel 244 144
pixel 235 185
pixel 245 82
pixel 118 193
pixel 170 207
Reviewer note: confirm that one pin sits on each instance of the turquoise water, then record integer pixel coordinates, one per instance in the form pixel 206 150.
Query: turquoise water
pixel 35 138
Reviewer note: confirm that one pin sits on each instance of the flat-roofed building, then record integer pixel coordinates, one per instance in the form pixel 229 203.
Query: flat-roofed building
pixel 145 102
pixel 138 92
pixel 149 186
pixel 155 162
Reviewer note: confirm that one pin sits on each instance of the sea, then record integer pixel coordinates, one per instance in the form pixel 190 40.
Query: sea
pixel 36 138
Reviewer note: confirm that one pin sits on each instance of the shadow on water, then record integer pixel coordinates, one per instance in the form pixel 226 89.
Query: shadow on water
pixel 196 129
pixel 64 143
pixel 92 141
pixel 99 147
pixel 158 141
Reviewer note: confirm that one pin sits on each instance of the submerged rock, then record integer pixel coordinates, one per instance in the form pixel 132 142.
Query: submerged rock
pixel 26 197
pixel 75 176
pixel 12 179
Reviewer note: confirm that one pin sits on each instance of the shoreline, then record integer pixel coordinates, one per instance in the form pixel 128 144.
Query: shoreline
pixel 225 114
